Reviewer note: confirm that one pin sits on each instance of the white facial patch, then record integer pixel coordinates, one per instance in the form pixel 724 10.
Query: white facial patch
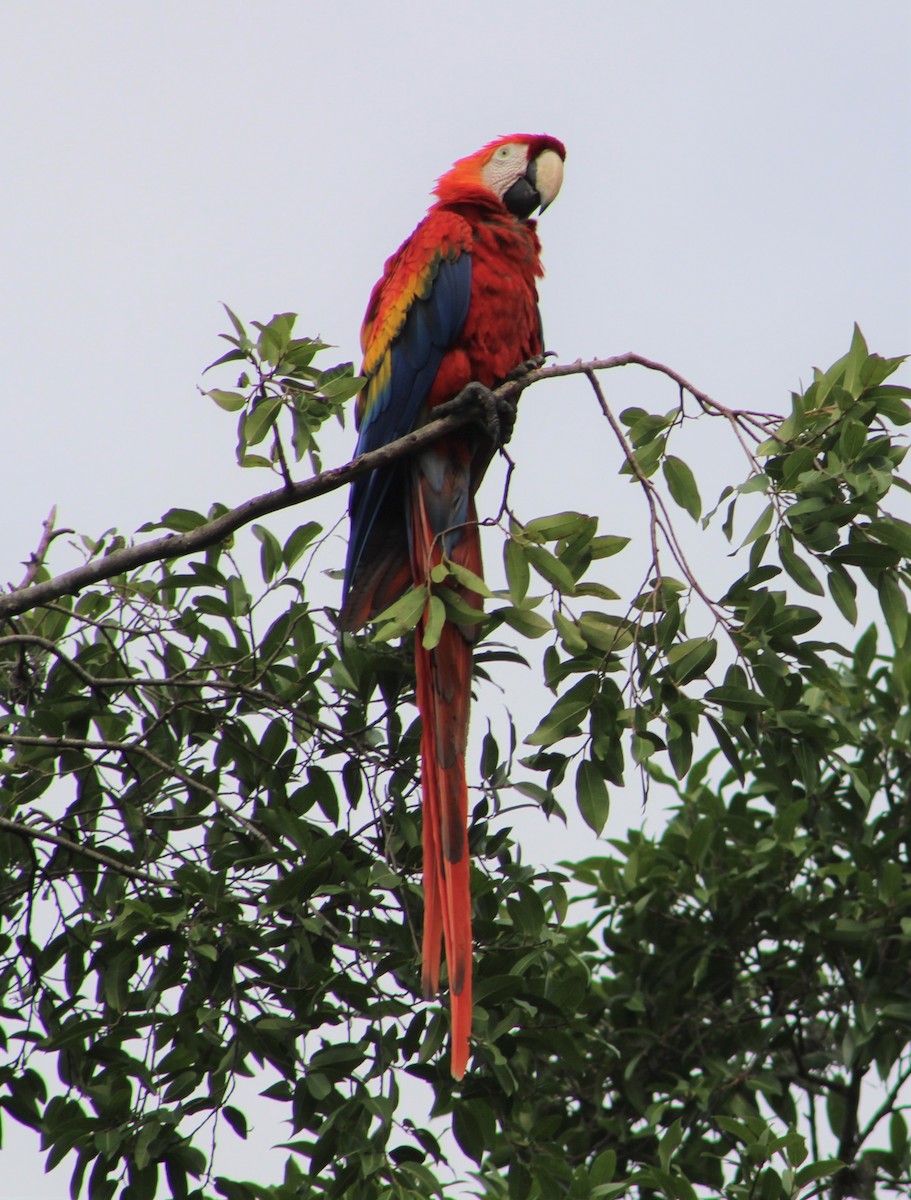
pixel 507 164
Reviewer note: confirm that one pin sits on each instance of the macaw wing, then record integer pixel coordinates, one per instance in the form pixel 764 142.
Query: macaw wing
pixel 416 314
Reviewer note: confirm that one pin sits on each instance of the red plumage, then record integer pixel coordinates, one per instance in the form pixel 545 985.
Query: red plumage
pixel 457 304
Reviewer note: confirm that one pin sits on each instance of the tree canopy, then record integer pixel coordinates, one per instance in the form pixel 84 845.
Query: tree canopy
pixel 210 837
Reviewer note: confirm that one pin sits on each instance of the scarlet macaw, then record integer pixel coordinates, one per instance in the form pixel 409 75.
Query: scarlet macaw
pixel 457 304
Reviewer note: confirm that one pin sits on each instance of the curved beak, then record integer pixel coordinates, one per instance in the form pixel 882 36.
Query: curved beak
pixel 548 167
pixel 537 187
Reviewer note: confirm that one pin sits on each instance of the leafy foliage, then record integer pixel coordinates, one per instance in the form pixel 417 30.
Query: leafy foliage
pixel 210 847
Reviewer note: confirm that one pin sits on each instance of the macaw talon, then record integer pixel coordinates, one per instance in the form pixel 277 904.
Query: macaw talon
pixel 495 414
pixel 506 420
pixel 531 364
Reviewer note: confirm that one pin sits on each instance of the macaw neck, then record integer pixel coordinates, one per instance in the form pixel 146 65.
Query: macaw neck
pixel 467 196
pixel 486 210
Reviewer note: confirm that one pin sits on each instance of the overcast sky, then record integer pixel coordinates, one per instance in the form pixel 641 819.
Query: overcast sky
pixel 737 191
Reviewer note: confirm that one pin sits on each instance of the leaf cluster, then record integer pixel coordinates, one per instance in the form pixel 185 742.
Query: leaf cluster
pixel 279 378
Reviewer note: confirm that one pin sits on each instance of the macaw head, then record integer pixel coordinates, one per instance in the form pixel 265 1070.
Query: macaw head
pixel 523 172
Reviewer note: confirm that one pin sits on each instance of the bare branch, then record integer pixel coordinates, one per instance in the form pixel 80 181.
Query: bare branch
pixel 38 555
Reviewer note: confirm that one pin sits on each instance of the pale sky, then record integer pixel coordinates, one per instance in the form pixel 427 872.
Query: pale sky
pixel 737 191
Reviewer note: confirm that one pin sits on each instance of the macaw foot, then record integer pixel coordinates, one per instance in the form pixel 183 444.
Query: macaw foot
pixel 495 413
pixel 525 368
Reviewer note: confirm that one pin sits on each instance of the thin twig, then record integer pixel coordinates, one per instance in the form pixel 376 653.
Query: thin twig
pixel 32 639
pixel 66 743
pixel 659 516
pixel 21 829
pixel 38 555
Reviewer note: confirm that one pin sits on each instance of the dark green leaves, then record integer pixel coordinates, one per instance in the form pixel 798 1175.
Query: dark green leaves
pixel 692 658
pixel 567 714
pixel 591 795
pixel 214 866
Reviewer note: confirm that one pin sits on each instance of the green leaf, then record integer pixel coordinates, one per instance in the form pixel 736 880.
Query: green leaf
pixel 473 1127
pixel 322 788
pixel 820 1169
pixel 866 554
pixel 892 532
pixel 691 659
pixel 607 545
pixel 679 746
pixel 236 355
pixel 646 458
pixel 898 1136
pixel 275 336
pixel 669 1142
pixel 257 423
pixel 182 520
pixel 843 590
pixel 795 566
pixel 525 621
pixel 894 605
pixel 402 616
pixel 457 610
pixel 569 632
pixel 740 699
pixel 433 623
pixel 551 569
pixel 890 401
pixel 342 388
pixel 236 322
pixel 606 633
pixel 760 525
pixel 591 795
pixel 852 438
pixel 603 1168
pixel 467 578
pixel 681 483
pixel 518 574
pixel 854 362
pixel 235 1119
pixel 597 591
pixel 298 542
pixel 229 401
pixel 567 714
pixel 270 552
pixel 559 525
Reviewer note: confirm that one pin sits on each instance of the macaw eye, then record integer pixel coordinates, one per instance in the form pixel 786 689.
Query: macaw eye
pixel 503 152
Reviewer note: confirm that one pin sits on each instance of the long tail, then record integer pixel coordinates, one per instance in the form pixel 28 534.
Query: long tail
pixel 443 689
pixel 443 677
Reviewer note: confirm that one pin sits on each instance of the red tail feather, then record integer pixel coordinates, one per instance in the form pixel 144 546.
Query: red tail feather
pixel 447 899
pixel 443 684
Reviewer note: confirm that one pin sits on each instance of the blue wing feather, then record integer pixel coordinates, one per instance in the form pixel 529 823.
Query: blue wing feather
pixel 431 327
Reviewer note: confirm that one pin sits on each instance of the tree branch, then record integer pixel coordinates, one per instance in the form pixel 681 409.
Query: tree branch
pixel 447 418
pixel 21 829
pixel 177 545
